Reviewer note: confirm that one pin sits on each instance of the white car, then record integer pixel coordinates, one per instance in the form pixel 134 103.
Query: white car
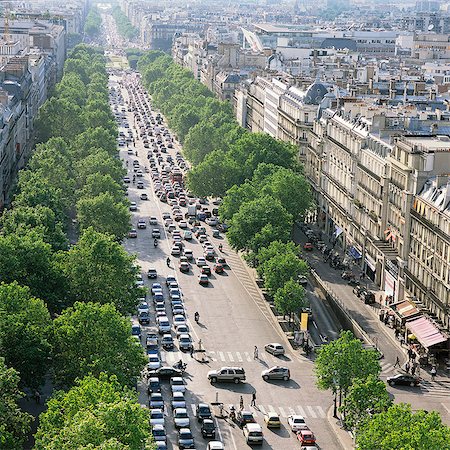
pixel 153 361
pixel 181 329
pixel 163 324
pixel 183 224
pixel 153 220
pixel 211 221
pixel 181 418
pixel 201 261
pixel 156 417
pixel 143 308
pixel 274 348
pixel 175 251
pixel 178 400
pixel 297 423
pixel 133 206
pixel 179 319
pixel 177 384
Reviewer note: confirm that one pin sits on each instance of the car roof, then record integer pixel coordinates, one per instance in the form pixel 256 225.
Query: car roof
pixel 297 417
pixel 253 427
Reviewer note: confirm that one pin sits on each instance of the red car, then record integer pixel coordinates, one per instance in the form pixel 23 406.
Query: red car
pixel 308 247
pixel 306 437
pixel 218 268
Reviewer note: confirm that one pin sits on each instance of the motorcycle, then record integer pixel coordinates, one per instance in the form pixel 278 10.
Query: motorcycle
pixel 180 365
pixel 155 243
pixel 232 413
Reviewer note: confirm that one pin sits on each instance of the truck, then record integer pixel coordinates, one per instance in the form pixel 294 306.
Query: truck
pixel 192 211
pixel 176 177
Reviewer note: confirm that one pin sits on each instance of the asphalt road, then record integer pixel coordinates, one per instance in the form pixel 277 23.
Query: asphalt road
pixel 233 319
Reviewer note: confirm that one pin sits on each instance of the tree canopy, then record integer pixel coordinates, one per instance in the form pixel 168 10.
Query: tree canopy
pixel 97 413
pixel 90 338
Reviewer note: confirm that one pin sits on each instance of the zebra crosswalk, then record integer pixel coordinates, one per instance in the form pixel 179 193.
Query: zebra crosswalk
pixel 224 357
pixel 434 388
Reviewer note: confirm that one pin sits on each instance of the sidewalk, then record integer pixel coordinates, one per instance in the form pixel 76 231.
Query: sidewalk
pixel 366 316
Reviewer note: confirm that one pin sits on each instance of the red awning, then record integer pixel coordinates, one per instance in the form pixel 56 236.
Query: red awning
pixel 426 332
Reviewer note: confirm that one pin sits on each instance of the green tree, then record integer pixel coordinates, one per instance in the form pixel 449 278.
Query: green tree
pixel 99 269
pixel 99 162
pixel 235 197
pixel 97 413
pixel 27 259
pixel 280 269
pixel 341 362
pixel 214 175
pixel 42 219
pixel 290 298
pixel 400 428
pixel 273 249
pixel 90 338
pixel 251 219
pixel 93 138
pixel 14 423
pixel 100 184
pixel 24 328
pixel 364 399
pixel 104 214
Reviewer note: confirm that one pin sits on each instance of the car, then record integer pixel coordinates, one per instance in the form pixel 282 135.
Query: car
pixel 156 400
pixel 230 374
pixel 404 379
pixel 156 233
pixel 156 417
pixel 171 279
pixel 156 287
pixel 143 307
pixel 163 324
pixel 179 319
pixel 141 224
pixel 208 428
pixel 140 185
pixel 181 418
pixel 174 292
pixel 175 251
pixel 153 361
pixel 218 268
pixel 152 273
pixel 178 400
pixel 202 412
pixel 244 417
pixel 222 261
pixel 276 373
pixel 185 439
pixel 253 433
pixel 153 220
pixel 184 267
pixel 144 317
pixel 308 247
pixel 272 420
pixel 187 235
pixel 188 254
pixel 185 342
pixel 126 180
pixel 132 234
pixel 151 339
pixel 201 261
pixel 215 445
pixel 181 329
pixel 205 270
pixel 161 445
pixel 183 224
pixel 167 342
pixel 159 433
pixel 153 385
pixel 177 384
pixel 165 372
pixel 139 173
pixel 203 279
pixel 274 349
pixel 297 423
pixel 178 309
pixel 306 438
pixel 209 255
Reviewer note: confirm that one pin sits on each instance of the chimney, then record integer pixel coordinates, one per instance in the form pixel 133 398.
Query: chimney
pixel 432 93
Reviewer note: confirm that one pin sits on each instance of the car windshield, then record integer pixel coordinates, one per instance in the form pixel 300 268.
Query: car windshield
pixel 157 415
pixel 181 414
pixel 185 435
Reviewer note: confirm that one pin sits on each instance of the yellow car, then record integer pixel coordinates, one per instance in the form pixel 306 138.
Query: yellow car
pixel 272 420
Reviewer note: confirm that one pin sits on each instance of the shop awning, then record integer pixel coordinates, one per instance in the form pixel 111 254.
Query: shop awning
pixel 405 310
pixel 426 332
pixel 354 253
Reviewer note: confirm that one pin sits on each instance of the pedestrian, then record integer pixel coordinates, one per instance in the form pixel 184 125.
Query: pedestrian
pixel 241 403
pixel 433 373
pixel 381 316
pixel 396 333
pixel 407 366
pixel 397 362
pixel 386 318
pixel 255 353
pixel 402 340
pixel 413 369
pixel 253 402
pixel 37 396
pixel 192 351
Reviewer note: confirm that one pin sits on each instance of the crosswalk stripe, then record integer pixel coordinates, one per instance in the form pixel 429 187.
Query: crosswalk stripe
pixel 212 357
pixel 302 411
pixel 291 411
pixel 222 356
pixel 271 408
pixel 247 356
pixel 321 412
pixel 312 412
pixel 282 413
pixel 230 356
pixel 239 357
pixel 261 409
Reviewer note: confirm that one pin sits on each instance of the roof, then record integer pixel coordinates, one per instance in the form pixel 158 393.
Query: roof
pixel 426 332
pixel 338 43
pixel 315 94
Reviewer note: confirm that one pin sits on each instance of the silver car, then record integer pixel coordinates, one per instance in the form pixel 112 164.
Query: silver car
pixel 276 373
pixel 181 418
pixel 274 348
pixel 178 400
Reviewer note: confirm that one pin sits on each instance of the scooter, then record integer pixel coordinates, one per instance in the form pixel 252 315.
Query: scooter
pixel 180 366
pixel 155 243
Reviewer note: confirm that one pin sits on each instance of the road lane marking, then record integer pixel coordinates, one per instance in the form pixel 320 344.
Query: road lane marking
pixel 239 357
pixel 261 409
pixel 230 356
pixel 247 356
pixel 292 412
pixel 312 412
pixel 221 356
pixel 302 411
pixel 322 413
pixel 271 408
